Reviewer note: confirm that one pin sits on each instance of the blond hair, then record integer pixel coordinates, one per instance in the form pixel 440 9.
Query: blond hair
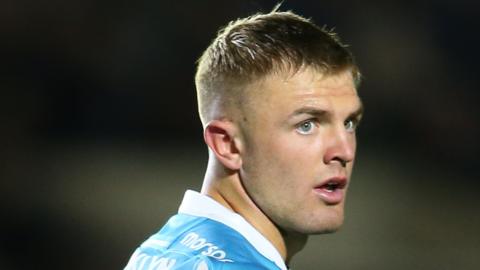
pixel 251 48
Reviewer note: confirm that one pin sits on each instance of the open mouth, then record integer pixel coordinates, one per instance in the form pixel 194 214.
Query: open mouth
pixel 332 191
pixel 333 185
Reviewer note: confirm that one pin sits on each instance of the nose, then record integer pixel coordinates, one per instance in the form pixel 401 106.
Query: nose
pixel 340 147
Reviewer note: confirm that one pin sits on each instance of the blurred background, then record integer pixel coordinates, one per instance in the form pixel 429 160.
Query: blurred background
pixel 100 135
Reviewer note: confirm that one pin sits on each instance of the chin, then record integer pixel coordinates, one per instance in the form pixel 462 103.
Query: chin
pixel 325 224
pixel 324 228
pixel 314 228
pixel 327 230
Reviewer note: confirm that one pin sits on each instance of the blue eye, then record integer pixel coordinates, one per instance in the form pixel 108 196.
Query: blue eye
pixel 350 125
pixel 306 127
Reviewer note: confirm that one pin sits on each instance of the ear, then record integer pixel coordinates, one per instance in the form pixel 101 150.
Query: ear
pixel 221 136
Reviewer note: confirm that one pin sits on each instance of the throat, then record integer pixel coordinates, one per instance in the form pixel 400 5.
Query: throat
pixel 294 242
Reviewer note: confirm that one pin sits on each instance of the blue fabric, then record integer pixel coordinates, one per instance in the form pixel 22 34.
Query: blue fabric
pixel 197 243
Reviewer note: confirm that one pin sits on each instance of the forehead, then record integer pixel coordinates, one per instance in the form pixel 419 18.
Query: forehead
pixel 305 86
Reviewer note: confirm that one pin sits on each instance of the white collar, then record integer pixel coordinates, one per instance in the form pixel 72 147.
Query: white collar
pixel 197 204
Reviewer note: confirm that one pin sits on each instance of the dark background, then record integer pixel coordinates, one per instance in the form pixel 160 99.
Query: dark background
pixel 100 136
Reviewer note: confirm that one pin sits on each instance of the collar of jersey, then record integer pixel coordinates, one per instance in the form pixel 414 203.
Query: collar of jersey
pixel 197 204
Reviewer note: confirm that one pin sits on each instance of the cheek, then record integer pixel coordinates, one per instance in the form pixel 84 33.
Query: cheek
pixel 268 165
pixel 290 162
pixel 283 151
pixel 303 152
pixel 281 158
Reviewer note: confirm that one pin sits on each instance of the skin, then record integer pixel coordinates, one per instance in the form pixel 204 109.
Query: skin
pixel 268 158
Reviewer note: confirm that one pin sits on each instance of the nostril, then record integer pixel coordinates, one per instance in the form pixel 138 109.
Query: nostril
pixel 341 161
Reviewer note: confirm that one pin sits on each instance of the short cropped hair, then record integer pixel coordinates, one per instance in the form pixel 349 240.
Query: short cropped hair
pixel 251 48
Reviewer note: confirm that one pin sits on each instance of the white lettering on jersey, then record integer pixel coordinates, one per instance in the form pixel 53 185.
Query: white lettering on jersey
pixel 195 242
pixel 159 263
pixel 155 262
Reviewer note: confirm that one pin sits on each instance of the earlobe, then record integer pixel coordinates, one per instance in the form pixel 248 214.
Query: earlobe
pixel 220 136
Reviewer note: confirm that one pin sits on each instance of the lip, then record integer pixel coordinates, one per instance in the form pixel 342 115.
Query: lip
pixel 332 197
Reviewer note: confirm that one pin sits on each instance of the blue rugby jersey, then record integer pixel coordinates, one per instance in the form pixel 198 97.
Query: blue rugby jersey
pixel 205 235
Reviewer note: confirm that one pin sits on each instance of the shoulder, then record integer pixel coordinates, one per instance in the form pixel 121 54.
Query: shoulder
pixel 187 242
pixel 220 243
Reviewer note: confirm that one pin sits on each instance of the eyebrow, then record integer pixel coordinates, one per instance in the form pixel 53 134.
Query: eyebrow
pixel 313 111
pixel 310 111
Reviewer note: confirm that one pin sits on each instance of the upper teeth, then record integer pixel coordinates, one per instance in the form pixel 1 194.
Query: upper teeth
pixel 332 185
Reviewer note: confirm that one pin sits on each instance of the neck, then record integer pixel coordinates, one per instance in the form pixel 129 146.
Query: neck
pixel 227 189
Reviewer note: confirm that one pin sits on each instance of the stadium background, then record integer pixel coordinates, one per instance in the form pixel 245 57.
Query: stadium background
pixel 100 136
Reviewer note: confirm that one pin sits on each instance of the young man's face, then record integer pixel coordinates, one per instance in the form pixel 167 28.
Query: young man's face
pixel 299 134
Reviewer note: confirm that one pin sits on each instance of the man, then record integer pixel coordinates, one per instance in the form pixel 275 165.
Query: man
pixel 278 102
